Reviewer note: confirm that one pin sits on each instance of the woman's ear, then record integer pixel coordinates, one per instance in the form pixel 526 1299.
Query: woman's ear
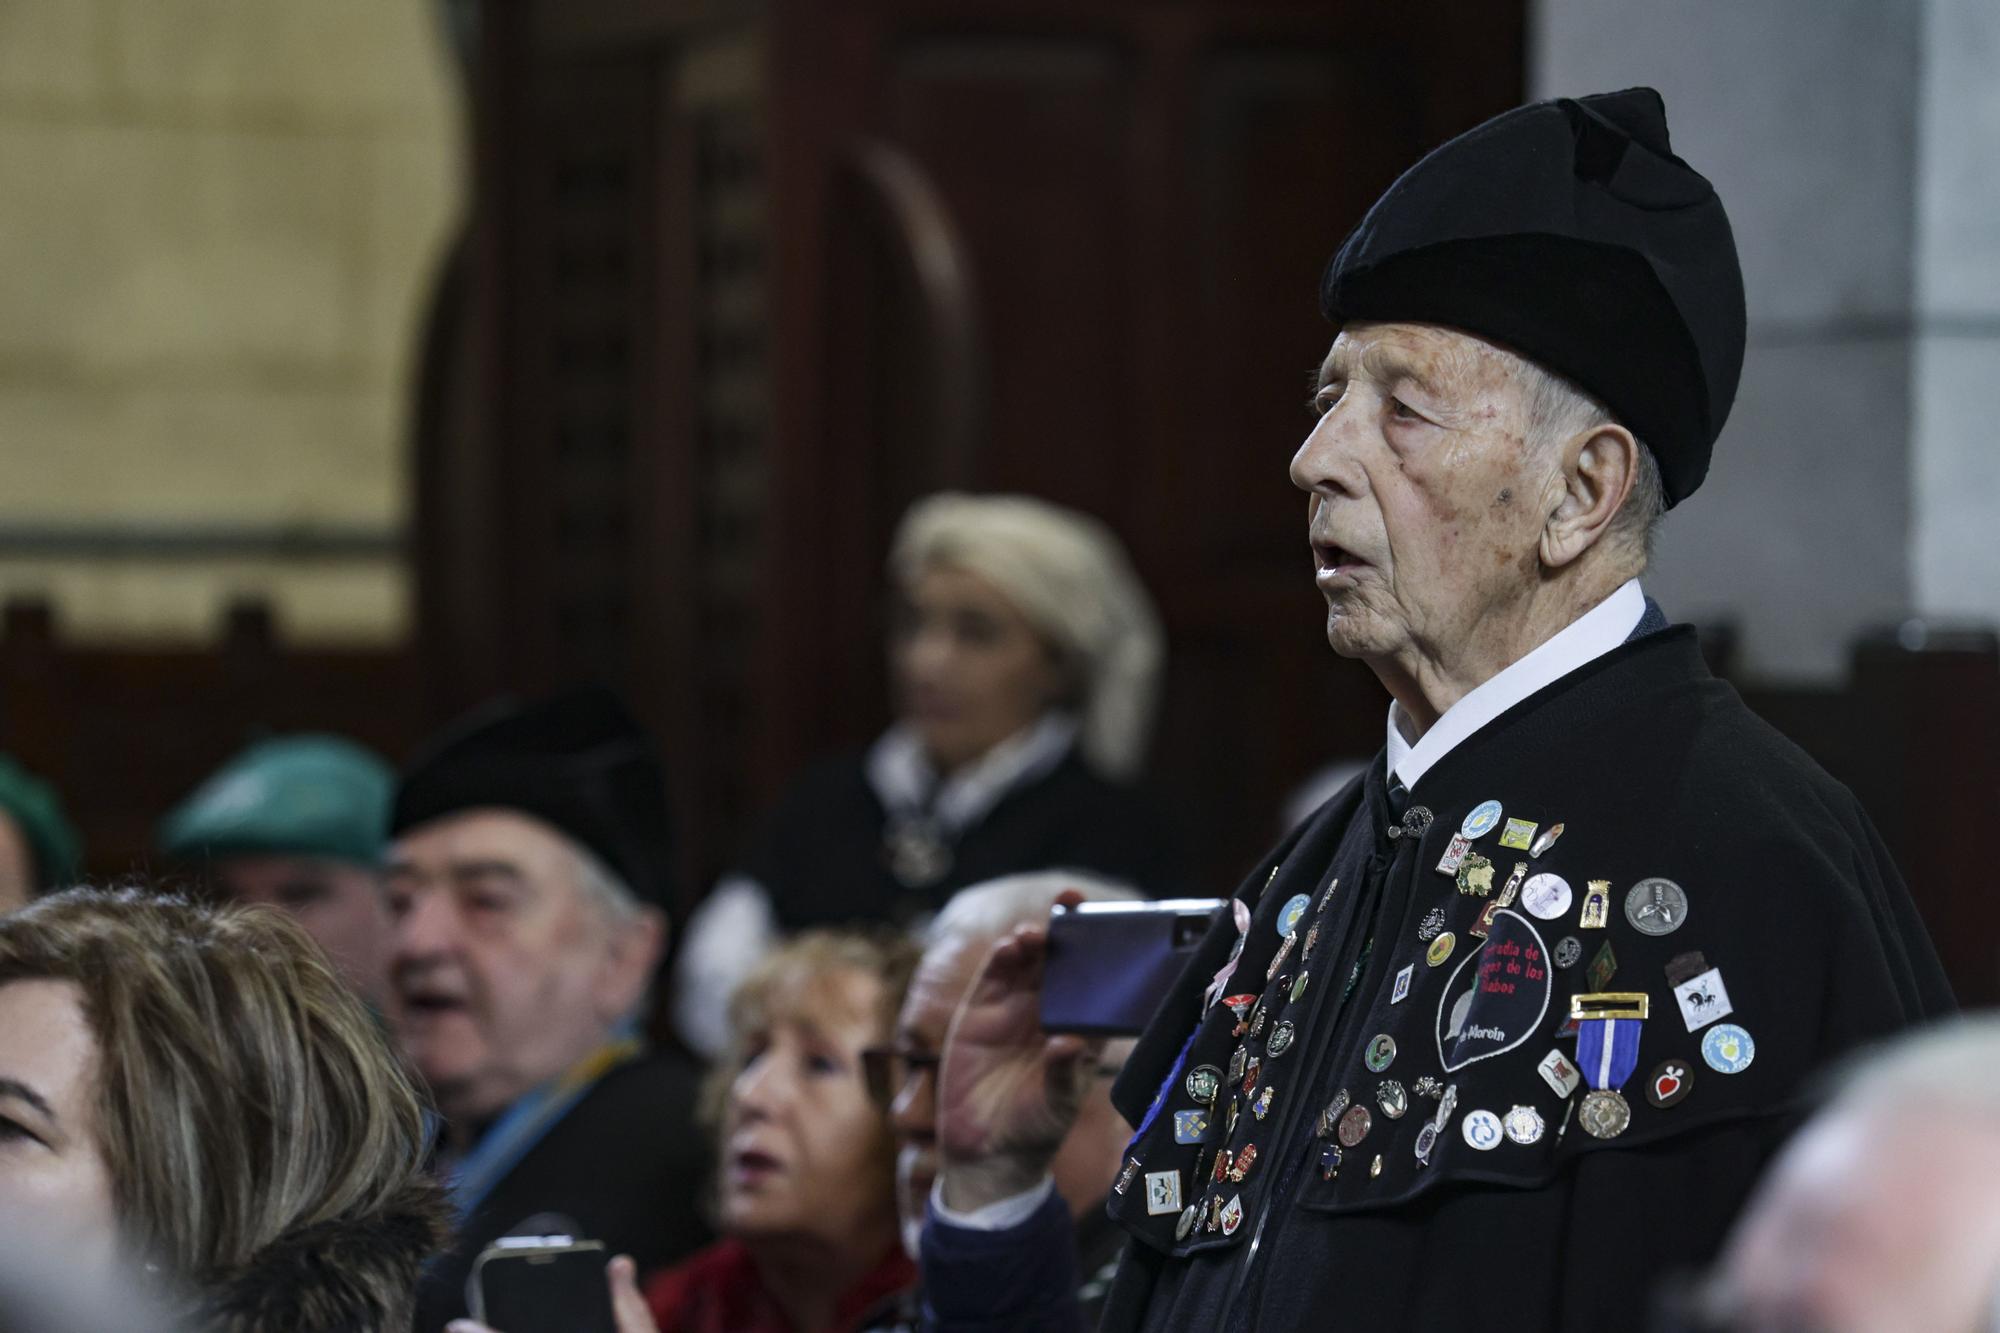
pixel 1598 468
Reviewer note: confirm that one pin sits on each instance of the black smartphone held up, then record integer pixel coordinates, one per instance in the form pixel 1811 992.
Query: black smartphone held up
pixel 542 1284
pixel 1110 964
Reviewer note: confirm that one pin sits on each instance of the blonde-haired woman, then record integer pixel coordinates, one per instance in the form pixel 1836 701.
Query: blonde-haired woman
pixel 806 1196
pixel 1025 659
pixel 192 1088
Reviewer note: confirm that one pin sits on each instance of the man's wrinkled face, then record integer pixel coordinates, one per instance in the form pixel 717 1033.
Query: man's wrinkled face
pixel 1428 502
pixel 947 971
pixel 504 964
pixel 342 906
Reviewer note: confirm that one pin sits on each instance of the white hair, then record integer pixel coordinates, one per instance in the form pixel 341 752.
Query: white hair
pixel 991 909
pixel 1953 1064
pixel 1559 408
pixel 603 885
pixel 1069 576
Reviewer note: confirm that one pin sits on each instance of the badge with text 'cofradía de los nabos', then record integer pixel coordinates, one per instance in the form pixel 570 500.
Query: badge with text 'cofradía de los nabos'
pixel 1607 1051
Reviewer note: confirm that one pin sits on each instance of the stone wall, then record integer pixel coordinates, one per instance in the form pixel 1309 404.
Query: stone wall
pixel 219 220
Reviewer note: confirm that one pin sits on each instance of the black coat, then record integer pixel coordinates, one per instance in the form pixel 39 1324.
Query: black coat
pixel 1655 769
pixel 626 1164
pixel 821 855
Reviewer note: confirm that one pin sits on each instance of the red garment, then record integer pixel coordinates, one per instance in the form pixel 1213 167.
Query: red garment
pixel 716 1291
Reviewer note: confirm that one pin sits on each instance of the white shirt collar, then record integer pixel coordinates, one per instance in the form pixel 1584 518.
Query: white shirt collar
pixel 904 780
pixel 1585 639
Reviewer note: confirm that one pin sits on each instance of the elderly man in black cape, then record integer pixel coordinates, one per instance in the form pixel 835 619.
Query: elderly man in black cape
pixel 1509 1026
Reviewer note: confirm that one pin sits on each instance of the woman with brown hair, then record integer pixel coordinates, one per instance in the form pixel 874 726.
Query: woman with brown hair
pixel 806 1195
pixel 192 1088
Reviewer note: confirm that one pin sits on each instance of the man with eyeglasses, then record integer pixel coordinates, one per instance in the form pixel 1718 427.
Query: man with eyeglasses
pixel 903 1078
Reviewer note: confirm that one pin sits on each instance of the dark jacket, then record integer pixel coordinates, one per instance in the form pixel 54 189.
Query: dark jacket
pixel 1655 769
pixel 625 1165
pixel 821 855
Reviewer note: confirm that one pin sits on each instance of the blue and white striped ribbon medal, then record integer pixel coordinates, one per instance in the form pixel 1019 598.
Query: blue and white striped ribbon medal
pixel 1607 1051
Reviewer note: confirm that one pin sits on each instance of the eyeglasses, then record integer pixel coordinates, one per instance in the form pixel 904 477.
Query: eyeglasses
pixel 889 1069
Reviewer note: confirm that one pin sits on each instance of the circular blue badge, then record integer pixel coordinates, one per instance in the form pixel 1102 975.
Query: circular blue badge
pixel 1484 818
pixel 1288 918
pixel 1728 1049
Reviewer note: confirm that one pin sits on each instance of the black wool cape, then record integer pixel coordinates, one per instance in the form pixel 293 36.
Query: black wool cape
pixel 1655 769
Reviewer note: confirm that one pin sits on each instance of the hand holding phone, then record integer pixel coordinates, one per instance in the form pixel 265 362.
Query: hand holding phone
pixel 553 1284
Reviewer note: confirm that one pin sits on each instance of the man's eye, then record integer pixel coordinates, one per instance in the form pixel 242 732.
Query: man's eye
pixel 1402 411
pixel 1323 402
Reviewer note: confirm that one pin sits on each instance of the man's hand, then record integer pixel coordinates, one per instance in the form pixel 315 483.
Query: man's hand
pixel 627 1304
pixel 1007 1092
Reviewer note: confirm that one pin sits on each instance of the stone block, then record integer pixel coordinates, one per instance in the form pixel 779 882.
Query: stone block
pixel 284 58
pixel 1958 242
pixel 1956 470
pixel 1802 112
pixel 52 50
pixel 124 246
pixel 414 198
pixel 364 603
pixel 1801 533
pixel 224 452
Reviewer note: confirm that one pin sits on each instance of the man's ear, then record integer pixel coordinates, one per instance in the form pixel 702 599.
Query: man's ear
pixel 634 950
pixel 1598 468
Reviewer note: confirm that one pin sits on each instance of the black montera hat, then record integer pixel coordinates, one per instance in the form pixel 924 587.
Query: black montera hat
pixel 1569 232
pixel 578 761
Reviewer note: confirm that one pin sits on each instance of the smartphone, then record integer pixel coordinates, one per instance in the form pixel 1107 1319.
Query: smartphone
pixel 542 1284
pixel 1110 964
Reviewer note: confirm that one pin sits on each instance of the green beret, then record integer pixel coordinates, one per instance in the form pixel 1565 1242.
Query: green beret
pixel 34 806
pixel 288 796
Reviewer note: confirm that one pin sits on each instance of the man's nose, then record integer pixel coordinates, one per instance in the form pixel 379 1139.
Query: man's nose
pixel 1324 459
pixel 428 927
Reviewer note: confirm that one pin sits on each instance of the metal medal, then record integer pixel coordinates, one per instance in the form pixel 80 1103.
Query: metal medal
pixel 1230 1128
pixel 1250 1075
pixel 1427 1138
pixel 1545 839
pixel 1244 1161
pixel 1569 950
pixel 1482 1130
pixel 1519 834
pixel 1596 905
pixel 1484 817
pixel 1232 1215
pixel 1557 1071
pixel 1329 1119
pixel 1288 915
pixel 1125 1175
pixel 1240 1005
pixel 1284 952
pixel 1354 1126
pixel 1262 1106
pixel 1402 987
pixel 1391 1098
pixel 1455 853
pixel 1546 896
pixel 1280 1040
pixel 1221 1171
pixel 1440 949
pixel 1703 999
pixel 1299 986
pixel 1189 1216
pixel 1190 1126
pixel 1656 906
pixel 1329 1161
pixel 1604 1114
pixel 1432 923
pixel 1602 967
pixel 1238 1061
pixel 1524 1124
pixel 1427 1086
pixel 1203 1082
pixel 1163 1193
pixel 1475 876
pixel 1672 1081
pixel 1728 1049
pixel 1381 1052
pixel 1375 1167
pixel 1312 938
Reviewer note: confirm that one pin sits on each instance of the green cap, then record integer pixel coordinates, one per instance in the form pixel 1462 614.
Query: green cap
pixel 288 796
pixel 36 808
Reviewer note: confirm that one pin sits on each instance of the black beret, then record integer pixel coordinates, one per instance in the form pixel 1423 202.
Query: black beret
pixel 1569 232
pixel 578 761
